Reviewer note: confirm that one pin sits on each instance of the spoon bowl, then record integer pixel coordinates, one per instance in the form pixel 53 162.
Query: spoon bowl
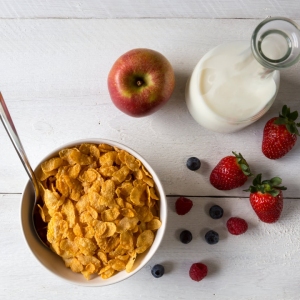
pixel 39 225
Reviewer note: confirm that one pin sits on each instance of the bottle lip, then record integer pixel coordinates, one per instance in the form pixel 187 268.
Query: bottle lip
pixel 263 60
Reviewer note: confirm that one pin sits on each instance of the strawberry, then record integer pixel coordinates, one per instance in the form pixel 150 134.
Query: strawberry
pixel 231 172
pixel 280 134
pixel 266 198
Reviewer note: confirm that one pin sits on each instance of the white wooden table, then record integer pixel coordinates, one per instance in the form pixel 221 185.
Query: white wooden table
pixel 54 60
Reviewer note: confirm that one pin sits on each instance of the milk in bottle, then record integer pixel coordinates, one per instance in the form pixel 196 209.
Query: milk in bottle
pixel 234 84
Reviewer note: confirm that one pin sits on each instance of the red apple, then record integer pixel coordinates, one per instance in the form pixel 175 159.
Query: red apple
pixel 140 82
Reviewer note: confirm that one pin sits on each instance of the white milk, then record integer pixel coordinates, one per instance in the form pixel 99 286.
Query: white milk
pixel 229 89
pixel 274 46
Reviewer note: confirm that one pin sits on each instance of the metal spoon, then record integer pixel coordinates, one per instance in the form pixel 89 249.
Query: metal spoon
pixel 39 225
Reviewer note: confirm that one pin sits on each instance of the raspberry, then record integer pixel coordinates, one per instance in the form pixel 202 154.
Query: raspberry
pixel 198 271
pixel 237 225
pixel 183 205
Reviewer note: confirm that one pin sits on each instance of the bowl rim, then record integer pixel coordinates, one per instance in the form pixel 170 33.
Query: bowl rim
pixel 98 281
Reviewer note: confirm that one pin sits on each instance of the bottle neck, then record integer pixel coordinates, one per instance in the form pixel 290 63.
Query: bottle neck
pixel 275 43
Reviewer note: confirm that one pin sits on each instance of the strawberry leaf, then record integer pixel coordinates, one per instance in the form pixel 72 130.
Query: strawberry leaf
pixel 284 110
pixel 280 121
pixel 288 119
pixel 275 181
pixel 293 116
pixel 242 163
pixel 289 128
pixel 271 186
pixel 283 188
pixel 244 167
pixel 257 180
pixel 274 193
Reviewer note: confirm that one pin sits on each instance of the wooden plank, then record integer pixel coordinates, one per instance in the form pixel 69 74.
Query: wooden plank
pixel 260 264
pixel 54 82
pixel 204 9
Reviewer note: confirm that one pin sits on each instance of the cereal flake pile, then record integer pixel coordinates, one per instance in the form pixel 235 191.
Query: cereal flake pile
pixel 101 208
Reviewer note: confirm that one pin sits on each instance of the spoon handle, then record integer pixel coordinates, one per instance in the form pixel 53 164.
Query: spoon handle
pixel 12 133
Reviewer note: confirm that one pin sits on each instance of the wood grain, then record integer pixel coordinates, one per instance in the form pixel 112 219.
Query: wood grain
pixel 137 9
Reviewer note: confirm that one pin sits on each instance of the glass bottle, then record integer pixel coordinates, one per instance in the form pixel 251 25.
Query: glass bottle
pixel 235 84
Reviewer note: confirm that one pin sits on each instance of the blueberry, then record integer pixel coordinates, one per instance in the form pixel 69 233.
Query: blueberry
pixel 158 271
pixel 193 163
pixel 211 237
pixel 216 212
pixel 185 236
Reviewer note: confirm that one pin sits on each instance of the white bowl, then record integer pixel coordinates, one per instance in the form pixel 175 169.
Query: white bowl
pixel 53 262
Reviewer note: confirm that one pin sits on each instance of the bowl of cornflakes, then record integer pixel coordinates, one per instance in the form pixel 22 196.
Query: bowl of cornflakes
pixel 104 212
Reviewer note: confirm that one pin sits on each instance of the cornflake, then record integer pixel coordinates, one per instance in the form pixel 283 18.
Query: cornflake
pixel 101 208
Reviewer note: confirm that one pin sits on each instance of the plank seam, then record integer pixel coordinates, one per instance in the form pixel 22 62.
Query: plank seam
pixel 126 18
pixel 189 196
